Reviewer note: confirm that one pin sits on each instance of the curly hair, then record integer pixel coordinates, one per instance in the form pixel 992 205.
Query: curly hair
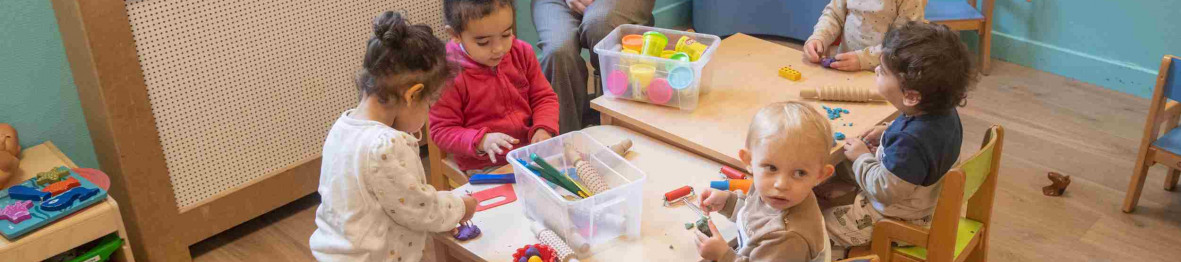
pixel 400 55
pixel 930 59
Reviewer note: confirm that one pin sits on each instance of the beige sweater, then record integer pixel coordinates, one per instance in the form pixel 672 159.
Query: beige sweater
pixel 861 25
pixel 768 234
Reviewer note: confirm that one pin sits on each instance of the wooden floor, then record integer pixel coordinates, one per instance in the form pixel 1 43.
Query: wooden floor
pixel 1053 124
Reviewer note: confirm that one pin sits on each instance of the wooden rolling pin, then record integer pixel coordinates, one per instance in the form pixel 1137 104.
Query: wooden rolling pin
pixel 841 93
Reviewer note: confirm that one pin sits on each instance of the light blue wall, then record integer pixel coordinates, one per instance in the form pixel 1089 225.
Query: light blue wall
pixel 1114 44
pixel 37 92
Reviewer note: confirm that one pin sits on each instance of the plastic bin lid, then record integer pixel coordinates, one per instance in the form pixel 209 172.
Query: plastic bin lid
pixel 680 77
pixel 617 82
pixel 659 91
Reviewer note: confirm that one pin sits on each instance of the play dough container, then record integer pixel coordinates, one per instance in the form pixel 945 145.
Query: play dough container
pixel 679 68
pixel 641 75
pixel 692 47
pixel 654 43
pixel 596 221
pixel 633 43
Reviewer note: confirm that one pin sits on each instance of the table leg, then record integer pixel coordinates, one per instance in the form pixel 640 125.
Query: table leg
pixel 605 119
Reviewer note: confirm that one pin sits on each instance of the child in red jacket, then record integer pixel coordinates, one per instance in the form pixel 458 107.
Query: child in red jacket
pixel 500 98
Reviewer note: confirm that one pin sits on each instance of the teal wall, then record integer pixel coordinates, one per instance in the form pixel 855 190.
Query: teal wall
pixel 1114 44
pixel 37 92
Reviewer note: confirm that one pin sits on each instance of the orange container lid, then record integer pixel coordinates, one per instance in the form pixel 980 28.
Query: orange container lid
pixel 633 42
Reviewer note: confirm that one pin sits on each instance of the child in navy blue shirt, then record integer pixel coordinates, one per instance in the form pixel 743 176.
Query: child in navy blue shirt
pixel 925 72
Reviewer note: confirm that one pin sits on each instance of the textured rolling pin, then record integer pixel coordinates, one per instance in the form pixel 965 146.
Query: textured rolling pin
pixel 841 93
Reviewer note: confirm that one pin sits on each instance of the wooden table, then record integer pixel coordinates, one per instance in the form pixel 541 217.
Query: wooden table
pixel 663 234
pixel 86 225
pixel 745 78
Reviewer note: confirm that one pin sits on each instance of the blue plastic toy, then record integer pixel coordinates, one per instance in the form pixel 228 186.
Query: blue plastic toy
pixel 480 179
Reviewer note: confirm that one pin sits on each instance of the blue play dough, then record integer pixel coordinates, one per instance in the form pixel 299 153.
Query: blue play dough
pixel 839 136
pixel 532 251
pixel 680 77
pixel 523 259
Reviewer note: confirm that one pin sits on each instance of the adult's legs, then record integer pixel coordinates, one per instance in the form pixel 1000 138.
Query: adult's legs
pixel 561 60
pixel 600 19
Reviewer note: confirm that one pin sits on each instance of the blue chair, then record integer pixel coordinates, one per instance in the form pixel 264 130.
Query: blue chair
pixel 1162 149
pixel 963 16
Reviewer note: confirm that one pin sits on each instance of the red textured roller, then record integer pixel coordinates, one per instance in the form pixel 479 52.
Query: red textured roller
pixel 678 193
pixel 732 173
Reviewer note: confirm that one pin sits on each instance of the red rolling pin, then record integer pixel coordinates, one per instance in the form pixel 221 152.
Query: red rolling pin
pixel 732 173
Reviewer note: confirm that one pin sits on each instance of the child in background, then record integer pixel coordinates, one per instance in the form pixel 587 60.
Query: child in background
pixel 500 98
pixel 925 72
pixel 375 203
pixel 787 149
pixel 856 28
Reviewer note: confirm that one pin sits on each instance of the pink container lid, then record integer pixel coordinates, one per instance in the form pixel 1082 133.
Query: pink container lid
pixel 617 82
pixel 659 92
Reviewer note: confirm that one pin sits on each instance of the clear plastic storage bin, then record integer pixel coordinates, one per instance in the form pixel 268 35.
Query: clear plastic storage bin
pixel 631 68
pixel 589 224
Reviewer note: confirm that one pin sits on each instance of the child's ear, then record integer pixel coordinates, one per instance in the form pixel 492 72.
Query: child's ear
pixel 826 172
pixel 451 32
pixel 412 94
pixel 911 98
pixel 745 156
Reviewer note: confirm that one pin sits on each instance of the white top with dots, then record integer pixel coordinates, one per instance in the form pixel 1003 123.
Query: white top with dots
pixel 862 24
pixel 375 203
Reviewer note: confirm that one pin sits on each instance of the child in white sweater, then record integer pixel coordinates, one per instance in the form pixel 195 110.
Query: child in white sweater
pixel 856 28
pixel 376 205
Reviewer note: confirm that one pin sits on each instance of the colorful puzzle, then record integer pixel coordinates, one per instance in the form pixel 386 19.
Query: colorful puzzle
pixel 41 200
pixel 789 73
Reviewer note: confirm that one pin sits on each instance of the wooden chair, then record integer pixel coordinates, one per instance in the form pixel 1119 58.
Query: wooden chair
pixel 1154 147
pixel 963 16
pixel 951 237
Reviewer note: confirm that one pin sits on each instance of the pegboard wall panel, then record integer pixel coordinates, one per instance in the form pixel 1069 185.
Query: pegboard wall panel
pixel 242 89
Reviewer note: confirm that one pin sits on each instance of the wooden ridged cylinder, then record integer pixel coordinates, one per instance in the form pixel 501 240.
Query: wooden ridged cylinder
pixel 841 93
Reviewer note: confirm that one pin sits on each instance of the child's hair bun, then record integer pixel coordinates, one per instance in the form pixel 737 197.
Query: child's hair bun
pixel 390 28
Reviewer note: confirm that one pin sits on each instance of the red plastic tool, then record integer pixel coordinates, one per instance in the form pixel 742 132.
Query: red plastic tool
pixel 505 191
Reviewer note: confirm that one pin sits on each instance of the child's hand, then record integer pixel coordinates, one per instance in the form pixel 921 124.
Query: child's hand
pixel 873 136
pixel 813 50
pixel 855 147
pixel 846 62
pixel 713 200
pixel 711 248
pixel 469 211
pixel 492 143
pixel 540 135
